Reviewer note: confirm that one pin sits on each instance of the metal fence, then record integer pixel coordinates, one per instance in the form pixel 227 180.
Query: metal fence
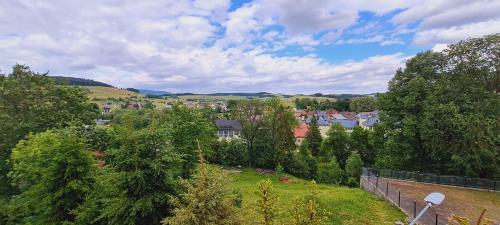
pixel 464 181
pixel 382 188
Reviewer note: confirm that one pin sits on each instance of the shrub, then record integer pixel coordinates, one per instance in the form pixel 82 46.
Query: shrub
pixel 329 172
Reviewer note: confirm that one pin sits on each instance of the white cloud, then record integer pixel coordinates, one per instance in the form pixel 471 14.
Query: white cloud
pixel 457 33
pixel 448 21
pixel 198 46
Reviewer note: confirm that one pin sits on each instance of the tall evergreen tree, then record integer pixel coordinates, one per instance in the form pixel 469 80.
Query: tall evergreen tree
pixel 314 137
pixel 138 182
pixel 207 199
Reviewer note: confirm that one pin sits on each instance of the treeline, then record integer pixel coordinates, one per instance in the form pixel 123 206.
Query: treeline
pixel 78 81
pixel 357 104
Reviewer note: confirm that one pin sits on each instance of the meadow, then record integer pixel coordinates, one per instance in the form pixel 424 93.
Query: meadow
pixel 348 206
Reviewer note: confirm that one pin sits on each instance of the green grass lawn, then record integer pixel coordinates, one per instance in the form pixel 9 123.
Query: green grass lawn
pixel 347 205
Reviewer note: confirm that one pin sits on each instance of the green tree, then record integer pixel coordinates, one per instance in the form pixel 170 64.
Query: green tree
pixel 360 142
pixel 363 104
pixel 338 141
pixel 249 113
pixel 184 126
pixel 207 200
pixel 440 111
pixel 314 138
pixel 53 172
pixel 267 203
pixel 329 172
pixel 354 165
pixel 138 182
pixel 32 102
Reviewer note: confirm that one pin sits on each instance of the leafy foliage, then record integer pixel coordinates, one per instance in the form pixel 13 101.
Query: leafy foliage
pixel 138 181
pixel 53 172
pixel 183 127
pixel 363 104
pixel 353 166
pixel 337 142
pixel 441 112
pixel 32 102
pixel 329 172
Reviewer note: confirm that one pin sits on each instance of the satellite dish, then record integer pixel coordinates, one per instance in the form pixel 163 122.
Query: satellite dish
pixel 434 198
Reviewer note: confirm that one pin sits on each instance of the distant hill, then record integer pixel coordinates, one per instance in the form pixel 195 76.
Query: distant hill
pixel 78 81
pixel 154 93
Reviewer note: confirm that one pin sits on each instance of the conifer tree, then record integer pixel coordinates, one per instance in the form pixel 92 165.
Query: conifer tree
pixel 314 137
pixel 267 204
pixel 207 200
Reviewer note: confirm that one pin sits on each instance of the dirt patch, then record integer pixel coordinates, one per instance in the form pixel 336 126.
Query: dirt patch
pixel 459 201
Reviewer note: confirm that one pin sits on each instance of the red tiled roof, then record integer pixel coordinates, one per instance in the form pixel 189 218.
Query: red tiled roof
pixel 349 115
pixel 301 131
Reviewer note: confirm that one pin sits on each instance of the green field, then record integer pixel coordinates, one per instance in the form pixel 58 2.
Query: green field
pixel 347 205
pixel 101 95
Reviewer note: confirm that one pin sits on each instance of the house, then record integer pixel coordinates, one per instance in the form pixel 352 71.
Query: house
pixel 368 119
pixel 106 108
pixel 349 115
pixel 368 124
pixel 300 133
pixel 323 124
pixel 101 122
pixel 136 105
pixel 347 124
pixel 228 129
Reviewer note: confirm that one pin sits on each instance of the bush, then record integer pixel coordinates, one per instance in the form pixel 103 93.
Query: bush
pixel 353 165
pixel 352 182
pixel 230 153
pixel 329 172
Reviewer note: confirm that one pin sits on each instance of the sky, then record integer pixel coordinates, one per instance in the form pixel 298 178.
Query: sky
pixel 207 46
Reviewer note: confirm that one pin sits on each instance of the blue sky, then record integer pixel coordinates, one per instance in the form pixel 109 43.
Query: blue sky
pixel 279 46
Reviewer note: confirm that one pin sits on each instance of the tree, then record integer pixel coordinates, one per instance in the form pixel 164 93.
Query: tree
pixel 329 172
pixel 267 203
pixel 32 102
pixel 440 114
pixel 207 199
pixel 354 165
pixel 285 140
pixel 249 114
pixel 53 172
pixel 183 127
pixel 363 104
pixel 338 141
pixel 313 137
pixel 308 211
pixel 359 142
pixel 231 153
pixel 138 181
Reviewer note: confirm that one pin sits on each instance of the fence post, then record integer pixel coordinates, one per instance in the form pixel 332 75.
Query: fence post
pixel 387 189
pixel 436 219
pixel 438 178
pixel 399 198
pixel 494 185
pixel 465 181
pixel 376 184
pixel 414 209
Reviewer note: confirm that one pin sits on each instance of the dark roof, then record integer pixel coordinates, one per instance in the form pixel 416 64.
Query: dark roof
pixel 371 121
pixel 228 124
pixel 346 123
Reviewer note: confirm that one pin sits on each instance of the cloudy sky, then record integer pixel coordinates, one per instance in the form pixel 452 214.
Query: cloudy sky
pixel 279 46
